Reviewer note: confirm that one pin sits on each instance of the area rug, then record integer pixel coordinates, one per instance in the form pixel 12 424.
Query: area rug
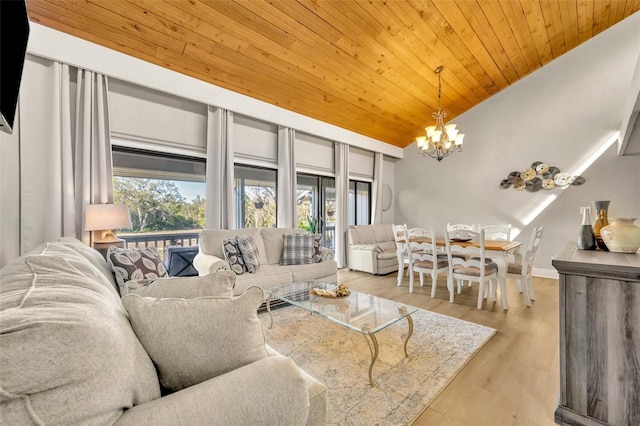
pixel 340 358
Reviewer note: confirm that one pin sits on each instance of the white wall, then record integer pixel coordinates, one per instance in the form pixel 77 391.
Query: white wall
pixel 560 115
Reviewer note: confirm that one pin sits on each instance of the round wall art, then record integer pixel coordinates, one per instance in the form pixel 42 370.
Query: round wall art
pixel 539 176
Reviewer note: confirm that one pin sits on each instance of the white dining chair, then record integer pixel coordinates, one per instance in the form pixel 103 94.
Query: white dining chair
pixel 425 259
pixel 400 235
pixel 521 269
pixel 497 232
pixel 474 267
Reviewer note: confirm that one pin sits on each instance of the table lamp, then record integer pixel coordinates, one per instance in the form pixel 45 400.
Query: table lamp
pixel 103 219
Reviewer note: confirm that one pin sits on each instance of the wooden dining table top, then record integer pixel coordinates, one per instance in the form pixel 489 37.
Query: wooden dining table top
pixel 494 245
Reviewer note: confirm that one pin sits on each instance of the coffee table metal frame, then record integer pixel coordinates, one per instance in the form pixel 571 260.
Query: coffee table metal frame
pixel 364 313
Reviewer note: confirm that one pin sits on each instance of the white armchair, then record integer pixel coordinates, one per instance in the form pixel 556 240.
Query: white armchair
pixel 372 248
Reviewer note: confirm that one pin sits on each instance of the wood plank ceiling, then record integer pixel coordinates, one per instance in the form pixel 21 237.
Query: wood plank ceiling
pixel 367 66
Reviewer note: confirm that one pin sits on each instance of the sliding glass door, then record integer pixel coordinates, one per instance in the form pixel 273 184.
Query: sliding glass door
pixel 316 206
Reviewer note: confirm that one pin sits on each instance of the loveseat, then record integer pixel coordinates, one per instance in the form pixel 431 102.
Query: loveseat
pixel 372 248
pixel 270 244
pixel 73 351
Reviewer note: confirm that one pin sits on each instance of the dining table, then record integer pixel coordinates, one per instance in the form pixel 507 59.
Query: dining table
pixel 497 250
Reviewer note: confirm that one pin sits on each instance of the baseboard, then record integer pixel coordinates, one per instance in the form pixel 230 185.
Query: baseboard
pixel 545 273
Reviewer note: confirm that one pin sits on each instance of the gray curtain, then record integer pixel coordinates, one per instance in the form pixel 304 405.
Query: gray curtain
pixel 219 208
pixel 65 151
pixel 287 179
pixel 376 199
pixel 342 201
pixel 92 147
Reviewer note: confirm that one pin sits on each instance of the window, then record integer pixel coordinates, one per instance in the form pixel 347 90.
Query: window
pixel 316 204
pixel 164 193
pixel 255 197
pixel 359 203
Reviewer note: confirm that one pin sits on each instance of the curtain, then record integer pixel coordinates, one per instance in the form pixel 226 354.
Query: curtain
pixel 287 179
pixel 342 201
pixel 219 207
pixel 93 169
pixel 65 152
pixel 376 198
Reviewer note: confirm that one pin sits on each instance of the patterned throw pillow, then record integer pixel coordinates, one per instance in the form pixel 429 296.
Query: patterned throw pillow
pixel 249 251
pixel 317 246
pixel 233 255
pixel 298 249
pixel 135 264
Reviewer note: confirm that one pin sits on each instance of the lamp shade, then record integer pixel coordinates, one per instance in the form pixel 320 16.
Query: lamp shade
pixel 100 217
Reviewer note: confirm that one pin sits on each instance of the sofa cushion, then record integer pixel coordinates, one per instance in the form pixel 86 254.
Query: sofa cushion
pixel 219 284
pixel 312 271
pixel 233 256
pixel 211 241
pixel 68 354
pixel 193 340
pixel 92 256
pixel 317 248
pixel 298 249
pixel 274 243
pixel 249 251
pixel 267 277
pixel 135 264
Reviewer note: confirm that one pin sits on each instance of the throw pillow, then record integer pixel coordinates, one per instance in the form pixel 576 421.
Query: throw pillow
pixel 298 249
pixel 193 340
pixel 233 255
pixel 218 284
pixel 135 264
pixel 249 251
pixel 317 246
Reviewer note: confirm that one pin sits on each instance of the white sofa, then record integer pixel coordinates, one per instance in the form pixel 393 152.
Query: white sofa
pixel 69 353
pixel 372 248
pixel 270 246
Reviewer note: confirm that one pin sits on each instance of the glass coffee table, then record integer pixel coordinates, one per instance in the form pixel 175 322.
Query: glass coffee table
pixel 359 312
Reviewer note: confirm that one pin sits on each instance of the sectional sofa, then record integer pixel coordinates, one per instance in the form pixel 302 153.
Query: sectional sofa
pixel 73 351
pixel 270 248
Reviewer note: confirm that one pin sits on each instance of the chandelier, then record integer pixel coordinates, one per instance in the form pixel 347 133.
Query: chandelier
pixel 441 140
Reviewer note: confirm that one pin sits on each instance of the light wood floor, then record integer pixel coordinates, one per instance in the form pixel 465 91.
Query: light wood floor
pixel 514 378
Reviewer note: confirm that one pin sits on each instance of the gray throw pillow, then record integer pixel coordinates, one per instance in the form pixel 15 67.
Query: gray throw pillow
pixel 298 249
pixel 193 340
pixel 249 251
pixel 233 256
pixel 135 264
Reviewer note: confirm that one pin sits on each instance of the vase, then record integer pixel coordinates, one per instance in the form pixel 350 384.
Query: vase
pixel 601 209
pixel 586 239
pixel 622 235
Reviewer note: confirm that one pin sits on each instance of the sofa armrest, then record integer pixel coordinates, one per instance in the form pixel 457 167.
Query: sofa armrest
pixel 363 257
pixel 206 264
pixel 271 391
pixel 326 254
pixel 366 247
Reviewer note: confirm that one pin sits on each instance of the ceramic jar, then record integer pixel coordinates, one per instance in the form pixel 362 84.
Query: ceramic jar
pixel 622 235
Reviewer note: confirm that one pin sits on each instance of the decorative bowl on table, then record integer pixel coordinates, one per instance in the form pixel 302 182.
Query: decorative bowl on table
pixel 340 292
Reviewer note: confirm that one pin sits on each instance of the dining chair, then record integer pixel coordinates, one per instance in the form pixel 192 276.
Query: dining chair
pixel 474 267
pixel 497 232
pixel 425 259
pixel 521 269
pixel 400 235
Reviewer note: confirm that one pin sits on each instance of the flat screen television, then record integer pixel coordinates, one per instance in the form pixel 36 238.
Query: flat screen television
pixel 14 34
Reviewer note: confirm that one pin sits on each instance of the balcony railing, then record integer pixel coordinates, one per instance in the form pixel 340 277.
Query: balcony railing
pixel 161 239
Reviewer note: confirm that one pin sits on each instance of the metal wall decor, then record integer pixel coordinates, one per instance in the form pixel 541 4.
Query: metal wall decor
pixel 540 176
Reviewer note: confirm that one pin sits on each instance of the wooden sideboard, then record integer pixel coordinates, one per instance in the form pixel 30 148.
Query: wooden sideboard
pixel 599 337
